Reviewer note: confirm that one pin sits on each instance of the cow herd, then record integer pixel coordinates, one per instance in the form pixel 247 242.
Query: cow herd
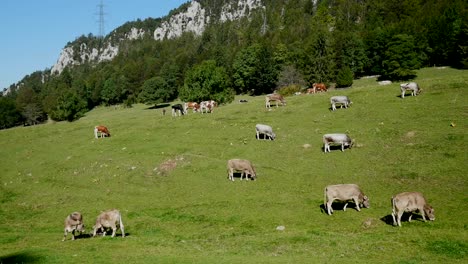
pixel 403 202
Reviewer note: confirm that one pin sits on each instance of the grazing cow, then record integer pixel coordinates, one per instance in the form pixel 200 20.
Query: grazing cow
pixel 191 105
pixel 207 106
pixel 319 87
pixel 243 101
pixel 274 97
pixel 109 219
pixel 411 86
pixel 102 130
pixel 241 165
pixel 73 222
pixel 336 139
pixel 344 192
pixel 340 99
pixel 266 130
pixel 410 202
pixel 177 109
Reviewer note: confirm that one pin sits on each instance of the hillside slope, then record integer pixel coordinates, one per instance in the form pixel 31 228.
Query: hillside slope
pixel 168 177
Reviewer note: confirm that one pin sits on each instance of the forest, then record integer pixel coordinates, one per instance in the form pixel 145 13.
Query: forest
pixel 286 46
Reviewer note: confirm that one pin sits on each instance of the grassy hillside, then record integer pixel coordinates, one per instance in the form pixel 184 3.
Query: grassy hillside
pixel 168 177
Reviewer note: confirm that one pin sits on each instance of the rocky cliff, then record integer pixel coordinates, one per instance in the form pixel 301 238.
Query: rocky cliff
pixel 192 19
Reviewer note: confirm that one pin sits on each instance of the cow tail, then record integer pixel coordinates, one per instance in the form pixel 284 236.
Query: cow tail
pixel 393 206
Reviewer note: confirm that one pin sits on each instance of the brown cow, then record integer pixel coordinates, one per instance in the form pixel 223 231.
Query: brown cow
pixel 274 97
pixel 73 222
pixel 319 87
pixel 344 192
pixel 244 166
pixel 191 105
pixel 410 202
pixel 109 219
pixel 102 130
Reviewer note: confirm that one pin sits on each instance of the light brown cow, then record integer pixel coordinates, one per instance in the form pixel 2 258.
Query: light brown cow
pixel 73 222
pixel 240 165
pixel 319 87
pixel 109 219
pixel 310 90
pixel 344 192
pixel 102 130
pixel 274 97
pixel 410 202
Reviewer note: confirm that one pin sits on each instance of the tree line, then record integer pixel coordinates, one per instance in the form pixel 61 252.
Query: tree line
pixel 286 46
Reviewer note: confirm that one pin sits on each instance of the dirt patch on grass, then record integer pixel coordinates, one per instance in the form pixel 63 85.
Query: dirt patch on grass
pixel 169 165
pixel 410 134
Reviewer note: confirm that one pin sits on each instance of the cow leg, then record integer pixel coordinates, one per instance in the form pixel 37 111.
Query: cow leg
pixel 114 230
pixel 409 218
pixel 344 208
pixel 329 207
pixel 356 201
pixel 257 135
pixel 399 218
pixel 394 220
pixel 65 235
pixel 333 107
pixel 403 94
pixel 342 146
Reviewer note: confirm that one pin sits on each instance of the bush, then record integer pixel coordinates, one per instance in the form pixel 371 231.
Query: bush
pixel 344 78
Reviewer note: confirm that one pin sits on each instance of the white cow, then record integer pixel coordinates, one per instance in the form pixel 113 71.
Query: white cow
pixel 336 139
pixel 344 192
pixel 73 222
pixel 340 99
pixel 411 86
pixel 266 130
pixel 410 202
pixel 240 165
pixel 109 219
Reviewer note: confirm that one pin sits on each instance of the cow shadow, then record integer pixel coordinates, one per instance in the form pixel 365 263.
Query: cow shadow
pixel 237 175
pixel 334 147
pixel 262 137
pixel 338 206
pixel 388 219
pixel 109 233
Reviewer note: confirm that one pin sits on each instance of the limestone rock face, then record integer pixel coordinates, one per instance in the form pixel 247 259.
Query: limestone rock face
pixel 194 19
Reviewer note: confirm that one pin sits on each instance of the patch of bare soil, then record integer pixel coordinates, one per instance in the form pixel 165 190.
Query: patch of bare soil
pixel 169 165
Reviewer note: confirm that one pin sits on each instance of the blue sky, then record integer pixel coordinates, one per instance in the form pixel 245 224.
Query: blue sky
pixel 33 32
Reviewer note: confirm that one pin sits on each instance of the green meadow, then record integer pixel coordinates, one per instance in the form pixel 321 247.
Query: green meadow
pixel 168 178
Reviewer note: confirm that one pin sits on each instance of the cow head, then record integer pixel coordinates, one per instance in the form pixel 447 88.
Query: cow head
pixel 80 227
pixel 365 201
pixel 429 211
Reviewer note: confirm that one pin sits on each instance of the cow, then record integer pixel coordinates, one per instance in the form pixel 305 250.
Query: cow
pixel 336 139
pixel 340 99
pixel 319 87
pixel 344 192
pixel 109 219
pixel 104 132
pixel 240 165
pixel 274 97
pixel 73 222
pixel 207 106
pixel 310 90
pixel 266 130
pixel 410 202
pixel 177 109
pixel 191 105
pixel 411 86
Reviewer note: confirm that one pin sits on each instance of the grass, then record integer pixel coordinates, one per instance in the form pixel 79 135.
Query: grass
pixel 168 178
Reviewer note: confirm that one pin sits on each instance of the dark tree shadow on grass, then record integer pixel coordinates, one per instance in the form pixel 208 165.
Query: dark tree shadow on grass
pixel 158 106
pixel 21 257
